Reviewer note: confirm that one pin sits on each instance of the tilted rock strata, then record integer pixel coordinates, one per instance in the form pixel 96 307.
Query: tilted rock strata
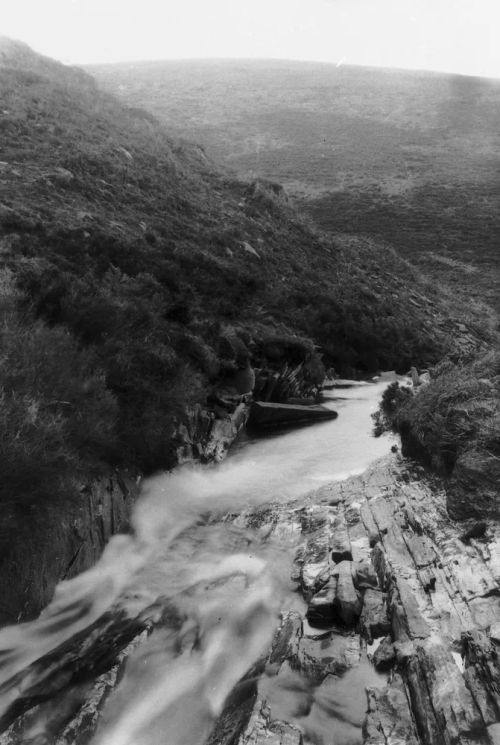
pixel 412 581
pixel 380 557
pixel 71 542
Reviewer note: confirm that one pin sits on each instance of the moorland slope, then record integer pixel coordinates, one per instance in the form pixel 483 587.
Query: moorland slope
pixel 411 158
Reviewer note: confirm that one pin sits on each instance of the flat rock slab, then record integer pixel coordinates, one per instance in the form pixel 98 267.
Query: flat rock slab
pixel 347 603
pixel 389 719
pixel 331 654
pixel 264 415
pixel 262 729
pixel 374 618
pixel 340 544
pixel 441 701
pixel 343 383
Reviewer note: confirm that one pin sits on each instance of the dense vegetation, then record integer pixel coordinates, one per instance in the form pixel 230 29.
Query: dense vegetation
pixel 137 278
pixel 411 158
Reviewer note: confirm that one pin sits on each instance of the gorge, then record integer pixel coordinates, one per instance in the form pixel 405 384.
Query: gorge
pixel 248 602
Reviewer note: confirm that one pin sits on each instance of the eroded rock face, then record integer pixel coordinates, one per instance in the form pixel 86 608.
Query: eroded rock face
pixel 64 547
pixel 209 433
pixel 29 572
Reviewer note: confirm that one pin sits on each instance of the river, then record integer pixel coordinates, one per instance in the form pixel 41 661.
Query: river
pixel 226 583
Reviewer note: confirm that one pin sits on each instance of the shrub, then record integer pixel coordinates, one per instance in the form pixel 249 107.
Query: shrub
pixel 393 399
pixel 456 418
pixel 56 417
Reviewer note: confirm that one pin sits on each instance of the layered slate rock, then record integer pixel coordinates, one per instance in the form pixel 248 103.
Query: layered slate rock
pixel 389 717
pixel 340 544
pixel 386 561
pixel 347 602
pixel 482 673
pixel 385 655
pixel 410 580
pixel 374 621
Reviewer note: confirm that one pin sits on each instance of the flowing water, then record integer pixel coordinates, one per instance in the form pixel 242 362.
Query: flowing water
pixel 227 583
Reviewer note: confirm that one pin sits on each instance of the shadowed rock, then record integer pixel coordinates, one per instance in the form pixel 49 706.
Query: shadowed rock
pixel 389 718
pixel 385 655
pixel 265 415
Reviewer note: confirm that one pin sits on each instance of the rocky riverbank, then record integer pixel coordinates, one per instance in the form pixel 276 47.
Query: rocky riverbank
pixel 378 562
pixel 382 560
pixel 65 542
pixel 72 537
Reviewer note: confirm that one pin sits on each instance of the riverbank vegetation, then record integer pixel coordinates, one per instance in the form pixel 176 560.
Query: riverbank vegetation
pixel 453 425
pixel 137 276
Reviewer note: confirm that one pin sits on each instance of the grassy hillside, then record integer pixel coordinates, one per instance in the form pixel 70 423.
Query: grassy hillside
pixel 136 277
pixel 411 158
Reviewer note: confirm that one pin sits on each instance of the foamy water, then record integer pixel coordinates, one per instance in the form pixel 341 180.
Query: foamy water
pixel 228 583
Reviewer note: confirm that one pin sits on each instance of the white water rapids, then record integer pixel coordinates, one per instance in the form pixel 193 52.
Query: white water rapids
pixel 227 583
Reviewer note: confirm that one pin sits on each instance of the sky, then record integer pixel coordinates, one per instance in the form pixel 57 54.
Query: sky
pixel 460 36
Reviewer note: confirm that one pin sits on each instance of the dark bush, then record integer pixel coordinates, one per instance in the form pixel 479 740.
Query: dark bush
pixel 456 415
pixel 57 416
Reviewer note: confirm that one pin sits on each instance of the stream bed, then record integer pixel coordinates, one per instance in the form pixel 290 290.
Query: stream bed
pixel 210 567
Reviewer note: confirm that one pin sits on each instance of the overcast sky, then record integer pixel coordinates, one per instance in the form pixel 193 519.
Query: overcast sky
pixel 452 35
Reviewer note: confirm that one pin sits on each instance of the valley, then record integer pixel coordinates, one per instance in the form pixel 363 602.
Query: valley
pixel 409 158
pixel 168 572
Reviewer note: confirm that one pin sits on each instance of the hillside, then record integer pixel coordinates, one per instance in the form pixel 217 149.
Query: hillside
pixel 411 158
pixel 138 277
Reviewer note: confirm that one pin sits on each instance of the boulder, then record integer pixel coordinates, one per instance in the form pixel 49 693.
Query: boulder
pixel 389 719
pixel 321 606
pixel 476 530
pixel 347 602
pixel 374 618
pixel 340 544
pixel 313 577
pixel 384 656
pixel 482 673
pixel 364 575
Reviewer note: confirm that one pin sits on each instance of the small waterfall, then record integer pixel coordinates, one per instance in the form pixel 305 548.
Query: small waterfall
pixel 218 585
